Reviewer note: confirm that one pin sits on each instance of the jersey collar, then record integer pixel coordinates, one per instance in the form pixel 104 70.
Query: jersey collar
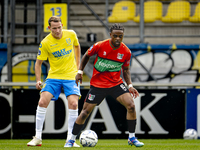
pixel 114 48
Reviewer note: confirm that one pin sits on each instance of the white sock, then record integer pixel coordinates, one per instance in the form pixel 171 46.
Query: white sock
pixel 40 116
pixel 131 135
pixel 73 114
pixel 73 137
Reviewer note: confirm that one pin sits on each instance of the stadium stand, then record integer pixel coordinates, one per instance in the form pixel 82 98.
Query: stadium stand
pixel 83 21
pixel 196 17
pixel 122 12
pixel 178 11
pixel 152 12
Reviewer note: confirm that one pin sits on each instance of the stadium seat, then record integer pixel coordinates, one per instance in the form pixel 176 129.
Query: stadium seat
pixel 196 17
pixel 152 12
pixel 122 12
pixel 177 12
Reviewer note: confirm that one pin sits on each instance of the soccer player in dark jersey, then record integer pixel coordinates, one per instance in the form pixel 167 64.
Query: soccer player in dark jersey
pixel 112 56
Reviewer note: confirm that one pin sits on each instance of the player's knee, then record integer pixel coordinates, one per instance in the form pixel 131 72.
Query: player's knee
pixel 73 105
pixel 131 108
pixel 42 103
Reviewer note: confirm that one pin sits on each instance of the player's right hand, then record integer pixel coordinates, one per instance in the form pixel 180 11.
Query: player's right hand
pixel 78 78
pixel 38 85
pixel 134 92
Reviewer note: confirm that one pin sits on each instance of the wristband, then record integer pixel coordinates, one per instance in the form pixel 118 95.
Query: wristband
pixel 130 85
pixel 80 71
pixel 39 81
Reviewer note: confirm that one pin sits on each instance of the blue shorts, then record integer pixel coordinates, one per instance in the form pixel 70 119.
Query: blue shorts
pixel 54 86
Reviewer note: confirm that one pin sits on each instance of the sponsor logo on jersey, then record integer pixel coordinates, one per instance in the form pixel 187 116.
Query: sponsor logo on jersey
pixel 120 56
pixel 61 53
pixel 53 44
pixel 68 40
pixel 104 53
pixel 107 65
pixel 91 97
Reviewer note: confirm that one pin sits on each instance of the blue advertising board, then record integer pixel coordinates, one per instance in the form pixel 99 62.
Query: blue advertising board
pixel 192 111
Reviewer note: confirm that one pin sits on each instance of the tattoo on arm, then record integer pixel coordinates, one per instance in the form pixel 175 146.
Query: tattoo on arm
pixel 127 75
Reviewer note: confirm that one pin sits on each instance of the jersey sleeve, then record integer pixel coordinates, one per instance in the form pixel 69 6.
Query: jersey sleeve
pixel 128 59
pixel 42 52
pixel 76 42
pixel 93 49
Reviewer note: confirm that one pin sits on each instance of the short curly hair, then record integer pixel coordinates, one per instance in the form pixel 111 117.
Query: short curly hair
pixel 116 26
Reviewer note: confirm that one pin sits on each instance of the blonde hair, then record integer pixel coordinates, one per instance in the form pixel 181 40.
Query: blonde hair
pixel 54 19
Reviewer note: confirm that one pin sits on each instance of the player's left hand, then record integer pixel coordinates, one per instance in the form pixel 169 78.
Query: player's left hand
pixel 134 92
pixel 79 78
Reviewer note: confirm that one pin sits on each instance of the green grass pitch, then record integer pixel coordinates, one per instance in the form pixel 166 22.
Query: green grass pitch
pixel 103 144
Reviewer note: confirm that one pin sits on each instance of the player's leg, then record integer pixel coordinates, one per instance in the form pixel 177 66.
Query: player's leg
pixel 45 98
pixel 123 96
pixel 126 100
pixel 72 92
pixel 47 93
pixel 87 109
pixel 72 115
pixel 94 97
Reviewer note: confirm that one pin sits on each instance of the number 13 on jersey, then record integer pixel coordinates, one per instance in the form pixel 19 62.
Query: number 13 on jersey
pixel 55 9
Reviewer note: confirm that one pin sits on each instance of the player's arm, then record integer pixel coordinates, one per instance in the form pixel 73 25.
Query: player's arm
pixel 127 78
pixel 77 50
pixel 83 63
pixel 38 65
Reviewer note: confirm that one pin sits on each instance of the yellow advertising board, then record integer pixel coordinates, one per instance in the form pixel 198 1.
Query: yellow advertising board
pixel 55 9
